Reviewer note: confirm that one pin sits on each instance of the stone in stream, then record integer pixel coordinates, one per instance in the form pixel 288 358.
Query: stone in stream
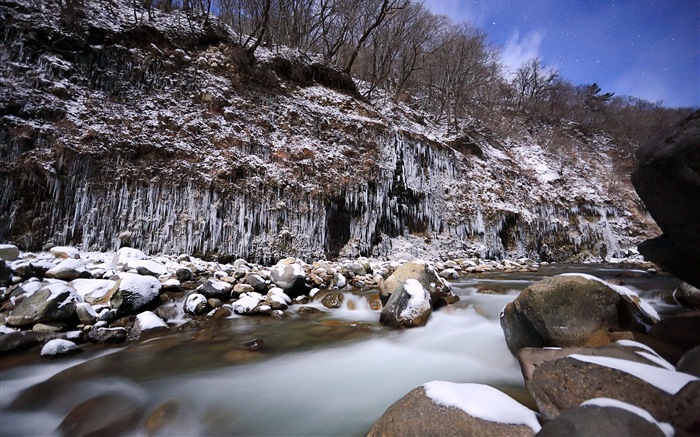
pixel 214 289
pixel 58 347
pixel 422 272
pixel 196 304
pixel 333 300
pixel 65 252
pixel 68 269
pixel 571 310
pixel 102 415
pixel 690 362
pixel 599 417
pixel 408 306
pixel 687 295
pixel 290 277
pixel 54 302
pixel 667 179
pixel 107 335
pixel 135 292
pixel 563 384
pixel 441 408
pixel 145 322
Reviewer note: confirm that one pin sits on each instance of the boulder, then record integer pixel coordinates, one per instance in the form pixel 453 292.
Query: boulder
pixel 686 405
pixel 687 295
pixel 54 302
pixel 125 254
pixel 196 304
pixel 441 408
pixel 65 252
pixel 107 335
pixel 103 414
pixel 256 281
pixel 86 314
pixel 147 321
pixel 690 362
pixel 95 291
pixel 289 277
pixel 134 292
pixel 681 331
pixel 9 252
pixel 184 274
pixel 422 272
pixel 563 384
pixel 58 347
pixel 333 300
pixel 146 267
pixel 605 418
pixel 214 289
pixel 68 269
pixel 409 306
pixel 571 310
pixel 22 340
pixel 667 179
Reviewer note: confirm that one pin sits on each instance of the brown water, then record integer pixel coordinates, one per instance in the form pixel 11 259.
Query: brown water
pixel 332 373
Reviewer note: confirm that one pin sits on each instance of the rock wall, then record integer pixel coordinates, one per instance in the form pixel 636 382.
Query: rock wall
pixel 159 136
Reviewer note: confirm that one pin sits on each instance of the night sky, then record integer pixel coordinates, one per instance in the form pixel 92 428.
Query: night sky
pixel 643 48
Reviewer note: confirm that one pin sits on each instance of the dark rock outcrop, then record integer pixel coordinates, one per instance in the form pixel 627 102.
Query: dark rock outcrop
pixel 667 179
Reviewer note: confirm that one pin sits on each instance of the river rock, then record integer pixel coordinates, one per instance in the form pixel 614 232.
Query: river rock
pixel 65 252
pixel 215 289
pixel 9 252
pixel 241 288
pixel 172 418
pixel 289 277
pixel 103 414
pixel 86 314
pixel 147 321
pixel 146 267
pixel 95 291
pixel 563 384
pixel 681 331
pixel 667 179
pixel 246 303
pixel 184 274
pixel 256 281
pixel 333 300
pixel 417 414
pixel 568 310
pixel 58 347
pixel 408 306
pixel 54 302
pixel 68 270
pixel 196 304
pixel 591 420
pixel 22 340
pixel 107 335
pixel 134 292
pixel 687 295
pixel 123 255
pixel 686 405
pixel 422 272
pixel 690 362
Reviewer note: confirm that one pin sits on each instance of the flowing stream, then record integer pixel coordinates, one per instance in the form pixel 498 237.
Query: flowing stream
pixel 331 373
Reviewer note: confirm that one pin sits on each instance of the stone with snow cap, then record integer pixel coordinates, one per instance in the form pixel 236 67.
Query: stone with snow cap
pixel 68 269
pixel 443 408
pixel 54 302
pixel 9 252
pixel 423 272
pixel 606 417
pixel 572 310
pixel 212 288
pixel 196 304
pixel 290 277
pixel 565 383
pixel 65 252
pixel 147 321
pixel 146 267
pixel 407 307
pixel 134 292
pixel 58 347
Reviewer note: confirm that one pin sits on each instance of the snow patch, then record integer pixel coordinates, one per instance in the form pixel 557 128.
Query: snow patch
pixel 419 300
pixel 57 346
pixel 481 401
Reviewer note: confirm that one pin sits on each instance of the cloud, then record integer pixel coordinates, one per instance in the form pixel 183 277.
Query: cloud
pixel 520 50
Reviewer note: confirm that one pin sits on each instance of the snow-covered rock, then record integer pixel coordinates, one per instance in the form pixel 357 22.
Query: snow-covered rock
pixel 196 304
pixel 147 321
pixel 134 291
pixel 57 346
pixel 146 267
pixel 68 270
pixel 8 252
pixel 65 252
pixel 409 306
pixel 54 302
pixel 94 291
pixel 289 276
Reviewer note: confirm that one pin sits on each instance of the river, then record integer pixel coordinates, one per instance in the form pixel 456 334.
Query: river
pixel 331 373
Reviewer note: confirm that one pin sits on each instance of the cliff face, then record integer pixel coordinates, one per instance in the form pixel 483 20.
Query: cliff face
pixel 165 135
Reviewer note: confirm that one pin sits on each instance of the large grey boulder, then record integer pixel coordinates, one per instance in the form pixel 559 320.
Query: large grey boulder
pixel 134 292
pixel 409 306
pixel 591 420
pixel 439 289
pixel 571 310
pixel 68 269
pixel 54 302
pixel 667 179
pixel 417 414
